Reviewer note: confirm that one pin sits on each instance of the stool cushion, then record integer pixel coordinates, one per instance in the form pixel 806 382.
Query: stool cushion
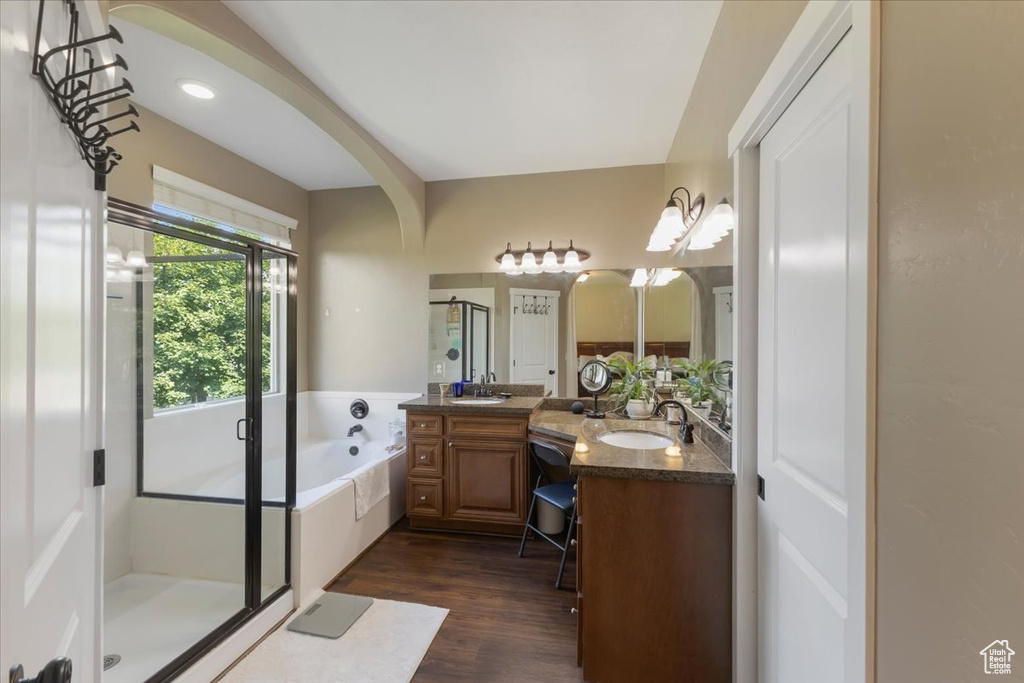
pixel 560 495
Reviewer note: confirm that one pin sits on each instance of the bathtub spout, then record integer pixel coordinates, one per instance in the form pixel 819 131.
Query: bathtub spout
pixel 356 428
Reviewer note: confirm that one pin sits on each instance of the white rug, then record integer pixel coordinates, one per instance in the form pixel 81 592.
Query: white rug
pixel 385 645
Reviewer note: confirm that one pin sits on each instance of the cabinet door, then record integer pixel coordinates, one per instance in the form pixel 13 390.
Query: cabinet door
pixel 487 481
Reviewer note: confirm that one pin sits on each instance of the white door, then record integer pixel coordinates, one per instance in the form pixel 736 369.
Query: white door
pixel 50 340
pixel 534 330
pixel 812 337
pixel 723 323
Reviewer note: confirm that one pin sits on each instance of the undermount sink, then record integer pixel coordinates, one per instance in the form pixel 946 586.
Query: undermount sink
pixel 476 401
pixel 638 440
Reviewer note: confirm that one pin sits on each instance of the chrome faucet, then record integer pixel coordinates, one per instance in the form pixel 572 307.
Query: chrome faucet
pixel 355 428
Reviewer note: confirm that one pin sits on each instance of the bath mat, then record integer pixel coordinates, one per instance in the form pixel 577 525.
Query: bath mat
pixel 330 615
pixel 385 645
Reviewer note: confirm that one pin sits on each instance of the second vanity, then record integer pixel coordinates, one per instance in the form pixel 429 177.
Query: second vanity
pixel 654 534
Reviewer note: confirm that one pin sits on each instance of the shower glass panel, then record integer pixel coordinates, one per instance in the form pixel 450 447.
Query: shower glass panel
pixel 275 346
pixel 459 341
pixel 176 386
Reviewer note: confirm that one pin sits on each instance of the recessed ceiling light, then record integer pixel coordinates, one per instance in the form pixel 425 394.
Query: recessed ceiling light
pixel 196 88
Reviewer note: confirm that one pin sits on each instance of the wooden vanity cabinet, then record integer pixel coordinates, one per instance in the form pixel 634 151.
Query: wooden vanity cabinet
pixel 467 472
pixel 654 581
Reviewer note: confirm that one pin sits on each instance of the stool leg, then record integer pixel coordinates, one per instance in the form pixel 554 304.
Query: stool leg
pixel 526 527
pixel 565 550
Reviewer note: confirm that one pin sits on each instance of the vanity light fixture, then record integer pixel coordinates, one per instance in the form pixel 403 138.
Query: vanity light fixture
pixel 114 256
pixel 676 219
pixel 639 278
pixel 196 89
pixel 663 276
pixel 553 260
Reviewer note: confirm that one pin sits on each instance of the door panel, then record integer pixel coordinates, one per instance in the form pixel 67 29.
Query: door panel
pixel 804 327
pixel 49 249
pixel 487 481
pixel 535 338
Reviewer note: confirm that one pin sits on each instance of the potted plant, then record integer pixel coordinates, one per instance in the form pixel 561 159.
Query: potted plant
pixel 632 388
pixel 698 385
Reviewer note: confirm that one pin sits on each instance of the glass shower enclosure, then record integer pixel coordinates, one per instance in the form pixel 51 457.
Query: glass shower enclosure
pixel 460 341
pixel 200 422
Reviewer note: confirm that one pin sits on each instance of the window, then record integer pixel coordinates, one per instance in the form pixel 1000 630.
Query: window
pixel 198 304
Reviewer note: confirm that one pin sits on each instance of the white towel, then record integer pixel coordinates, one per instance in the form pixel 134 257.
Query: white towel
pixel 372 485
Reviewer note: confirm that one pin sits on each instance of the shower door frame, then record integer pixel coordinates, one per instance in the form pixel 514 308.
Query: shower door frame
pixel 253 250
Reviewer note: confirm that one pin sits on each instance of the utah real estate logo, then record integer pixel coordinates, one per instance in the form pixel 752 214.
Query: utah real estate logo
pixel 997 657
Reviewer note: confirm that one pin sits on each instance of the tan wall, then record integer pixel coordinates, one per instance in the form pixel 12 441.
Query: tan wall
pixel 610 212
pixel 605 309
pixel 164 143
pixel 950 497
pixel 667 311
pixel 375 338
pixel 746 38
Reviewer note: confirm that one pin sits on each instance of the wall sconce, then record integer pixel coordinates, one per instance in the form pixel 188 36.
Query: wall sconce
pixel 676 219
pixel 553 260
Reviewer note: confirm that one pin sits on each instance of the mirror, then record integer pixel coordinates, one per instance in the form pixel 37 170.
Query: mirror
pixel 596 379
pixel 544 329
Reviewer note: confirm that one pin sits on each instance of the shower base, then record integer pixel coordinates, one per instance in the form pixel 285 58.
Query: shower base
pixel 150 619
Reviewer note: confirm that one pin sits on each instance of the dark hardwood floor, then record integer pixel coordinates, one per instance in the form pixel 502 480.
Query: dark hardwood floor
pixel 507 622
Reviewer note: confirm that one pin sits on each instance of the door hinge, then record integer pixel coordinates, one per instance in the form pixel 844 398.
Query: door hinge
pixel 760 487
pixel 99 467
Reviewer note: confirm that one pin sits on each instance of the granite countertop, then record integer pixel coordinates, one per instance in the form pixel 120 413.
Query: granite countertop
pixel 695 463
pixel 517 405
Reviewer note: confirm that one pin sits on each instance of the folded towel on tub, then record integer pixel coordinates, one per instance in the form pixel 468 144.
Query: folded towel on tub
pixel 372 485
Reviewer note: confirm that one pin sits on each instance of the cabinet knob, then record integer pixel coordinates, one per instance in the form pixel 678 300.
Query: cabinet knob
pixel 576 487
pixel 423 457
pixel 573 610
pixel 423 497
pixel 574 500
pixel 573 543
pixel 423 425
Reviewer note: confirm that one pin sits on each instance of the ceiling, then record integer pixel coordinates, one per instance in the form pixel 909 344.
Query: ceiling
pixel 471 89
pixel 244 117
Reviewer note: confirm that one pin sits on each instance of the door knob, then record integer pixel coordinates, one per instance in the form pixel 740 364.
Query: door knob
pixel 56 671
pixel 551 372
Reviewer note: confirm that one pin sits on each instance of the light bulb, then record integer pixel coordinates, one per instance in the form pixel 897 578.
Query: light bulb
pixel 583 278
pixel 549 264
pixel 196 89
pixel 135 259
pixel 508 259
pixel 571 261
pixel 529 261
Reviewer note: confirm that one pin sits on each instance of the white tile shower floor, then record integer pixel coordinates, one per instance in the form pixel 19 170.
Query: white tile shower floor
pixel 150 619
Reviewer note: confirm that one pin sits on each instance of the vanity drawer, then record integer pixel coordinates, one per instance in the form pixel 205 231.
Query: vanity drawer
pixel 487 427
pixel 425 498
pixel 425 456
pixel 427 425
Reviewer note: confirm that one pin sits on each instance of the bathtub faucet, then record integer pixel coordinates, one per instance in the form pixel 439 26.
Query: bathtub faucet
pixel 352 430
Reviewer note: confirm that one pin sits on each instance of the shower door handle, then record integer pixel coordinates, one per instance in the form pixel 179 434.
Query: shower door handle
pixel 239 426
pixel 56 671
